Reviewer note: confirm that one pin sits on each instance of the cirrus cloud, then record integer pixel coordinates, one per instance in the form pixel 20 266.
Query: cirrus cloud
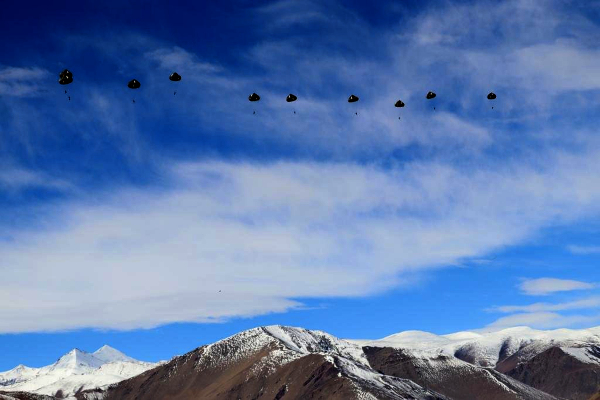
pixel 544 286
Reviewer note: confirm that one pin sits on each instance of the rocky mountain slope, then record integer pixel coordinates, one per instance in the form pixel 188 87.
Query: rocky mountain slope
pixel 270 363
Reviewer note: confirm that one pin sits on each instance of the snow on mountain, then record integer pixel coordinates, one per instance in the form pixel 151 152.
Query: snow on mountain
pixel 77 362
pixel 348 357
pixel 295 343
pixel 487 348
pixel 109 355
pixel 18 374
pixel 76 370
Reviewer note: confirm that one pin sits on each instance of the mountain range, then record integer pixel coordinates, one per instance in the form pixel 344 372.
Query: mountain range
pixel 278 362
pixel 74 372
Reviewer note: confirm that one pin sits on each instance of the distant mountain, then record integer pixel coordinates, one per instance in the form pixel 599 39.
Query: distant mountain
pixel 74 372
pixel 563 362
pixel 488 349
pixel 284 363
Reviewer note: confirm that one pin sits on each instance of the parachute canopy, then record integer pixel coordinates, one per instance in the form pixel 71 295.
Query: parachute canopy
pixel 133 84
pixel 175 77
pixel 65 77
pixel 291 97
pixel 65 73
pixel 430 95
pixel 254 97
pixel 491 96
pixel 352 99
pixel 399 103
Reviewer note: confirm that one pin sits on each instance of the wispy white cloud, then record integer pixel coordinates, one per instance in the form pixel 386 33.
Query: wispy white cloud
pixel 177 58
pixel 288 13
pixel 544 320
pixel 582 304
pixel 270 235
pixel 544 286
pixel 583 250
pixel 23 82
pixel 14 179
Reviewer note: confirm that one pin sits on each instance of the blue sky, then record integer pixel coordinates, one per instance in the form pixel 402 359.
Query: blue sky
pixel 159 226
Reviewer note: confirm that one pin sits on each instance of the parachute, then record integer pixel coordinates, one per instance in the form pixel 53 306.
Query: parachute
pixel 133 84
pixel 291 98
pixel 491 96
pixel 399 104
pixel 65 78
pixel 430 95
pixel 174 77
pixel 254 97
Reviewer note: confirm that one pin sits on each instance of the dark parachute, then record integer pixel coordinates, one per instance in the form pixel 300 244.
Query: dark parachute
pixel 291 98
pixel 399 104
pixel 65 77
pixel 134 84
pixel 66 72
pixel 174 77
pixel 431 95
pixel 254 97
pixel 491 96
pixel 353 99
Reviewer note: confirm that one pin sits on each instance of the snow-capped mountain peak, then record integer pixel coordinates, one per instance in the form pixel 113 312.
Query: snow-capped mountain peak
pixel 109 354
pixel 73 371
pixel 77 361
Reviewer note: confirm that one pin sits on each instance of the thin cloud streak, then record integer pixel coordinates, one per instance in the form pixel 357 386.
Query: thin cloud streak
pixel 582 304
pixel 545 286
pixel 544 320
pixel 583 250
